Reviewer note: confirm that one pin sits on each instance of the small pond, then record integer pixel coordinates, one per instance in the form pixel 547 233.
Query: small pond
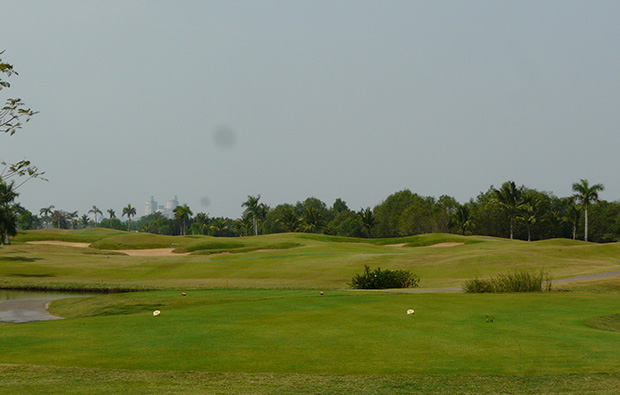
pixel 27 306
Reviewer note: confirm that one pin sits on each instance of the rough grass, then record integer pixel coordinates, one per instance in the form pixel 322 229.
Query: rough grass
pixel 43 380
pixel 518 281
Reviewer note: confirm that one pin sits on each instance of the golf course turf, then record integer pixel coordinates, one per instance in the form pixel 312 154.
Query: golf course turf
pixel 254 321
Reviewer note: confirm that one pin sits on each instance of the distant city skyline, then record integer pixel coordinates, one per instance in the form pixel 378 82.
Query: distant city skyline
pixel 167 210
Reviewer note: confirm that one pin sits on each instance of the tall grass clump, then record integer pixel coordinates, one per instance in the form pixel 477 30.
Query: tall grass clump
pixel 520 281
pixel 383 279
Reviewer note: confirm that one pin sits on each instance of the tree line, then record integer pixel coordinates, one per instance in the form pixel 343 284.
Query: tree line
pixel 509 211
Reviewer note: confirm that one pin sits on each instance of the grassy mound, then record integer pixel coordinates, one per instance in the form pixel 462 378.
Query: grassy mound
pixel 606 322
pixel 89 235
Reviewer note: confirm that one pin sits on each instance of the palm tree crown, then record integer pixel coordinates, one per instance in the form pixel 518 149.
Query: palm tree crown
pixel 129 212
pixel 586 194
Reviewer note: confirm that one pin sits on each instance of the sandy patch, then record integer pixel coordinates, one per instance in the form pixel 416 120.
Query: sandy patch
pixel 59 243
pixel 440 245
pixel 396 245
pixel 152 252
pixel 264 250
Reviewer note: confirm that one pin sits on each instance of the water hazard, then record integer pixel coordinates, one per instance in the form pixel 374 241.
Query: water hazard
pixel 27 306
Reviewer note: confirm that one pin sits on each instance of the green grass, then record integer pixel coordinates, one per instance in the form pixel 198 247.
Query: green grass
pixel 296 261
pixel 343 333
pixel 270 331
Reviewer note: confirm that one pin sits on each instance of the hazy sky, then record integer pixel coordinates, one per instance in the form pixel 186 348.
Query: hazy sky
pixel 215 101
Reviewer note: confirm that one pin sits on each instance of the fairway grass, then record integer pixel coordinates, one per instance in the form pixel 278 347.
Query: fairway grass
pixel 341 332
pixel 295 261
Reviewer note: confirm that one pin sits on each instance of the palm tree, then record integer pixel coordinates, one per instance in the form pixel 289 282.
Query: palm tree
pixel 182 214
pixel 312 221
pixel 46 212
pixel 95 210
pixel 129 212
pixel 509 196
pixel 572 216
pixel 528 212
pixel 254 209
pixel 586 194
pixel 288 219
pixel 72 216
pixel 112 214
pixel 462 218
pixel 201 222
pixel 368 219
pixel 218 226
pixel 59 216
pixel 84 220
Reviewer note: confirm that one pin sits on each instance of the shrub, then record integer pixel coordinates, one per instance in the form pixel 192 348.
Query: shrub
pixel 382 279
pixel 521 281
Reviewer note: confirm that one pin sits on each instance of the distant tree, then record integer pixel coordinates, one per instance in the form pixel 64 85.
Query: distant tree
pixel 253 208
pixel 339 206
pixel 509 197
pixel 25 219
pixel 72 217
pixel 219 226
pixel 59 217
pixel 288 219
pixel 312 221
pixel 95 210
pixel 462 218
pixel 368 219
pixel 129 211
pixel 46 212
pixel 183 215
pixel 84 221
pixel 112 215
pixel 586 194
pixel 528 212
pixel 200 224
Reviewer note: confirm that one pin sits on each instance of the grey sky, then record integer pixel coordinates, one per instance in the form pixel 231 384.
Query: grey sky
pixel 347 99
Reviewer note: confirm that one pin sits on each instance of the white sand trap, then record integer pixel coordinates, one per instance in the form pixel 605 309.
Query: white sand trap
pixel 396 245
pixel 440 245
pixel 59 243
pixel 148 252
pixel 152 252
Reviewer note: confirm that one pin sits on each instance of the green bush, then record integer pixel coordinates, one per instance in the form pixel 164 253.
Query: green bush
pixel 521 281
pixel 382 279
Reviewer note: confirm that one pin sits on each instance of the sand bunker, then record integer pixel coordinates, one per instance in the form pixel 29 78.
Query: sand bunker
pixel 60 243
pixel 440 245
pixel 152 252
pixel 148 252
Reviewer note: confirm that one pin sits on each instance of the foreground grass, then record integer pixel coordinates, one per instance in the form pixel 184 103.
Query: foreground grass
pixel 29 379
pixel 342 333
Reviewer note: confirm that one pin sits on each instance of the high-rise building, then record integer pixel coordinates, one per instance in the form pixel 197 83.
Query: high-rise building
pixel 167 211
